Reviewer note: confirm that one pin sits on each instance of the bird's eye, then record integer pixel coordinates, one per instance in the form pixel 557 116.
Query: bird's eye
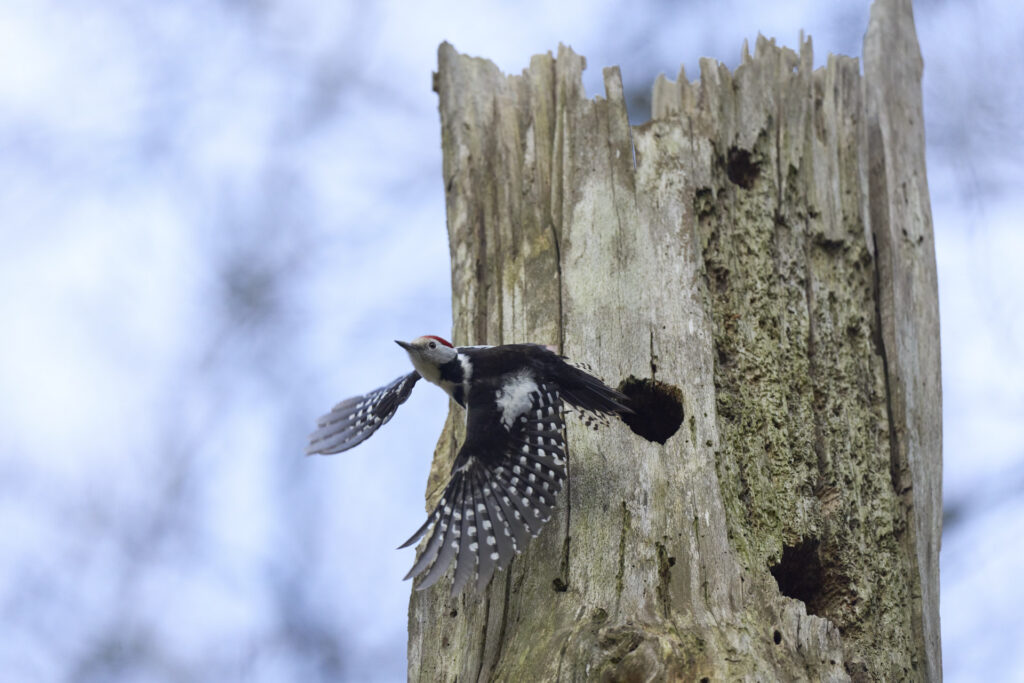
pixel 433 345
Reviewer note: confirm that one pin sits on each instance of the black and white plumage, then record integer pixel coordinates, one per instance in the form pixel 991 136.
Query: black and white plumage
pixel 512 464
pixel 353 421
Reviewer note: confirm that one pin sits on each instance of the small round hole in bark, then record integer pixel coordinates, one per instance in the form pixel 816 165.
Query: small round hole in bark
pixel 777 637
pixel 657 408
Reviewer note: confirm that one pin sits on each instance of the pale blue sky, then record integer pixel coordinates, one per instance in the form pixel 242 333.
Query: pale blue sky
pixel 216 216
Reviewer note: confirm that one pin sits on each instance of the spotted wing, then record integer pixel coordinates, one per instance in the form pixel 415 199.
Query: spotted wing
pixel 502 490
pixel 353 421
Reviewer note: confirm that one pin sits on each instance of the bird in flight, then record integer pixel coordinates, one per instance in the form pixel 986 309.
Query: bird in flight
pixel 512 463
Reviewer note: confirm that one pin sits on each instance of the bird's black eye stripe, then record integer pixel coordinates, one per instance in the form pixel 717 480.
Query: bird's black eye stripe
pixel 433 345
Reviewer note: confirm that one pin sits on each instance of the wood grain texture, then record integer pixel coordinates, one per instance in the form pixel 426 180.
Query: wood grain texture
pixel 901 224
pixel 788 529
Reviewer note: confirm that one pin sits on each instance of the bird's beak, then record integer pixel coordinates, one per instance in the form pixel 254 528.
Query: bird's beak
pixel 405 345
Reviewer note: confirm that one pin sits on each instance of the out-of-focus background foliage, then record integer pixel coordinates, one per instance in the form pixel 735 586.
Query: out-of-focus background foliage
pixel 215 217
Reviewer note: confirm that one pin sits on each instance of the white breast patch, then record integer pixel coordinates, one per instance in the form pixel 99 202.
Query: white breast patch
pixel 514 398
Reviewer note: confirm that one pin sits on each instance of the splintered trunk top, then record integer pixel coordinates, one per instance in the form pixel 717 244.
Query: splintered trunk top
pixel 756 264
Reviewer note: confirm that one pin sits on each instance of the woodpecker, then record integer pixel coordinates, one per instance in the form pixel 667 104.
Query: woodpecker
pixel 512 464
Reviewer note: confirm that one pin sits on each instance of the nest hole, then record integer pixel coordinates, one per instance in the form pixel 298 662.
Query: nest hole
pixel 657 408
pixel 741 168
pixel 800 575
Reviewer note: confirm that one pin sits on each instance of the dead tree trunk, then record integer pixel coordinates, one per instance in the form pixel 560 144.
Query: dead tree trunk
pixel 756 261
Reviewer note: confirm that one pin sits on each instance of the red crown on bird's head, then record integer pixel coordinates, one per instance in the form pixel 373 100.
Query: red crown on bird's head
pixel 440 339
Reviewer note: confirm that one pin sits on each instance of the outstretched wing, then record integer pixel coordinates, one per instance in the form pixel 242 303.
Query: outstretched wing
pixel 502 488
pixel 353 421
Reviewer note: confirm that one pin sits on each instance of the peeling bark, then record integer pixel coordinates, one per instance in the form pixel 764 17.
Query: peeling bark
pixel 759 256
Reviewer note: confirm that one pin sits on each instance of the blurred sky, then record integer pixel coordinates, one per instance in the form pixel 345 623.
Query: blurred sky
pixel 215 217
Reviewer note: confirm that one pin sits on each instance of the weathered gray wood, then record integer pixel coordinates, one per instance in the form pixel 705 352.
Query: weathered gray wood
pixel 901 222
pixel 726 248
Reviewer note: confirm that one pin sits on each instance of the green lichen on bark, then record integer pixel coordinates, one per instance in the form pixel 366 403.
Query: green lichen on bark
pixel 799 368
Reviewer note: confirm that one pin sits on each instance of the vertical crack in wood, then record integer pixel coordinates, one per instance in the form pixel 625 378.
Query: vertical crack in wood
pixel 622 556
pixel 483 638
pixel 504 614
pixel 560 342
pixel 564 565
pixel 663 590
pixel 705 588
pixel 877 190
pixel 483 282
pixel 654 365
pixel 555 226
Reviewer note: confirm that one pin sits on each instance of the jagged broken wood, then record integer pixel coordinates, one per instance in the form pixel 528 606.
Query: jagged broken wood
pixel 759 255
